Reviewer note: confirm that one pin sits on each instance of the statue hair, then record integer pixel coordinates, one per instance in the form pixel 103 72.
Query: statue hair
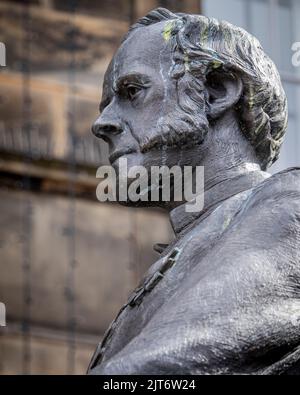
pixel 204 46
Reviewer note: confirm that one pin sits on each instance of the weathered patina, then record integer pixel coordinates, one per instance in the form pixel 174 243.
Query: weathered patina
pixel 224 296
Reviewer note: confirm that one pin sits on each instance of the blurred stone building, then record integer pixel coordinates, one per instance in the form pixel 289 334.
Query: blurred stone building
pixel 67 262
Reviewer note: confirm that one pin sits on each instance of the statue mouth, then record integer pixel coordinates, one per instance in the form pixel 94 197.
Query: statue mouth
pixel 118 153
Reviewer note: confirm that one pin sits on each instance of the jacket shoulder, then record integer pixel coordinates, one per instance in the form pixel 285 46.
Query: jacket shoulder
pixel 286 180
pixel 279 193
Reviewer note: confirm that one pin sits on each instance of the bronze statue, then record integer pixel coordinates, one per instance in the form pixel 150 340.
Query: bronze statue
pixel 224 296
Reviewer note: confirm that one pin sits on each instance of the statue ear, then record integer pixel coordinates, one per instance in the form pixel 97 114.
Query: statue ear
pixel 224 91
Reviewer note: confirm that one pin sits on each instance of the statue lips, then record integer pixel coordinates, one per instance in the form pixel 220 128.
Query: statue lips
pixel 118 153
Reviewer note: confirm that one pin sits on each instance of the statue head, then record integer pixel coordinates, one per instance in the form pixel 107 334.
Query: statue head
pixel 178 78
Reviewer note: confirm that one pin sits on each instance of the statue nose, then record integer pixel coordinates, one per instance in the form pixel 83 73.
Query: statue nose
pixel 103 128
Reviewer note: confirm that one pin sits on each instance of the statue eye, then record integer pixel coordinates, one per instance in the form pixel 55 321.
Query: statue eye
pixel 132 91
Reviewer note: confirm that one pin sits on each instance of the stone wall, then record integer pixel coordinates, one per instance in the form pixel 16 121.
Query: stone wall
pixel 112 249
pixel 67 262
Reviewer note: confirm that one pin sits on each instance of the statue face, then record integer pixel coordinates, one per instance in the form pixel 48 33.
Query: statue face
pixel 141 119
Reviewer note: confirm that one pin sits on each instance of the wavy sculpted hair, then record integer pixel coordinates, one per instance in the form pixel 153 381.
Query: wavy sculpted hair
pixel 204 45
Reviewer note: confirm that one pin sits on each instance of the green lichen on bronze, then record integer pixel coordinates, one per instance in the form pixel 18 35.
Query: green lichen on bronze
pixel 216 64
pixel 167 32
pixel 204 36
pixel 226 223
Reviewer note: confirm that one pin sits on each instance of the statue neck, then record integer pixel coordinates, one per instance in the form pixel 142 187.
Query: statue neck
pixel 230 167
pixel 226 152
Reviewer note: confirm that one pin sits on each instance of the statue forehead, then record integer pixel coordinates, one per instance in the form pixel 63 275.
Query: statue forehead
pixel 146 50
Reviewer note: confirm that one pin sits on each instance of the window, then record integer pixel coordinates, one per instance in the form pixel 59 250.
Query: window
pixel 275 24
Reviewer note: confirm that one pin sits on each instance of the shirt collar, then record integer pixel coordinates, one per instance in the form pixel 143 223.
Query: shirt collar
pixel 180 218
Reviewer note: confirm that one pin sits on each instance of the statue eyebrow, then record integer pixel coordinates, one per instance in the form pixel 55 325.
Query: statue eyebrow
pixel 131 78
pixel 137 78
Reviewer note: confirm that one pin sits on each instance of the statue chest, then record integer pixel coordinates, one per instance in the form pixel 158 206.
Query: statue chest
pixel 163 279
